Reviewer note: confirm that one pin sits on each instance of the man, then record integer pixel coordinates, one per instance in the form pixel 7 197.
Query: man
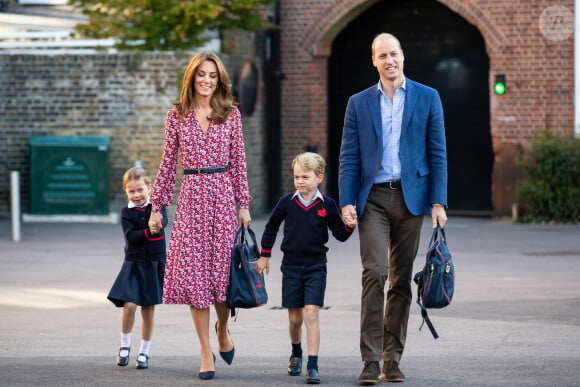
pixel 393 171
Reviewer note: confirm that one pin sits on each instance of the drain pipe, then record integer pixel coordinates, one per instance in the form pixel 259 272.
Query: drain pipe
pixel 274 77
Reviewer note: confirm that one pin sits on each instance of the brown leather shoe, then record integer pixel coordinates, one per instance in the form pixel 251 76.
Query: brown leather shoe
pixel 370 374
pixel 391 372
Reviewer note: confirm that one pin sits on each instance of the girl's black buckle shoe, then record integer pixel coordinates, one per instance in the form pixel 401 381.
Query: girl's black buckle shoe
pixel 122 361
pixel 142 362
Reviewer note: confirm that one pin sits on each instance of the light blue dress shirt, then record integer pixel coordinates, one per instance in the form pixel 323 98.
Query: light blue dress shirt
pixel 392 118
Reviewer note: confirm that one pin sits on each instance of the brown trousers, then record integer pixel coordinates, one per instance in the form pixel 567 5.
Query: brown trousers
pixel 389 240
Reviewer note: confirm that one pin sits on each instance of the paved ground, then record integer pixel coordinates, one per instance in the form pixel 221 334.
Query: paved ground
pixel 514 321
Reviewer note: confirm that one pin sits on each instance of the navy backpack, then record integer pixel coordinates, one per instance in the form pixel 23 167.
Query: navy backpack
pixel 436 282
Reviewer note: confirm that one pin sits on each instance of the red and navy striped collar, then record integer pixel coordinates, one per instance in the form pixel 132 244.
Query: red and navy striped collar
pixel 302 203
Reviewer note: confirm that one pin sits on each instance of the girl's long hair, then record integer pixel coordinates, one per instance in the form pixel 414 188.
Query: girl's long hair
pixel 221 100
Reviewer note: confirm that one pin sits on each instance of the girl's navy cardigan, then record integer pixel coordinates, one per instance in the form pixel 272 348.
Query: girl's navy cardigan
pixel 305 230
pixel 140 243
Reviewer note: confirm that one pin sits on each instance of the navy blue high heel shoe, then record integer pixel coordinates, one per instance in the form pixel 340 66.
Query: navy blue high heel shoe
pixel 229 355
pixel 206 375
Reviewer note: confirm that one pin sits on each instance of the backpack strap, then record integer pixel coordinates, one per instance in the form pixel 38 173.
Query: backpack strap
pixel 427 321
pixel 418 279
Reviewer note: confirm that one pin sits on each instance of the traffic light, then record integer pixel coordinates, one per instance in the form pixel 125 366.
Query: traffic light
pixel 499 86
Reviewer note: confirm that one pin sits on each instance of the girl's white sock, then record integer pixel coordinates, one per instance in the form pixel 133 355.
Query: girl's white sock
pixel 145 344
pixel 125 342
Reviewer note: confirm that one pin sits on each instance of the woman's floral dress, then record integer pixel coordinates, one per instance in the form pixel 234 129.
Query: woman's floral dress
pixel 198 260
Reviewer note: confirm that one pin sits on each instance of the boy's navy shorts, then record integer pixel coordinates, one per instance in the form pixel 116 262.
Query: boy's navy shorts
pixel 303 285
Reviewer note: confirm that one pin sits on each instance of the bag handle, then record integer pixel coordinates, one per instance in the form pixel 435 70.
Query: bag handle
pixel 244 240
pixel 438 235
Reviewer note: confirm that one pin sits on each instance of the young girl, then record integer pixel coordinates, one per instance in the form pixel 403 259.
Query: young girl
pixel 140 281
pixel 307 216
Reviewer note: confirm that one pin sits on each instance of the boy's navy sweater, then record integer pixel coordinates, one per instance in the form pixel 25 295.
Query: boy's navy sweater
pixel 140 243
pixel 305 230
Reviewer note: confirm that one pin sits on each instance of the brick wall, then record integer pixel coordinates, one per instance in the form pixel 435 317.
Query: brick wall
pixel 539 72
pixel 125 96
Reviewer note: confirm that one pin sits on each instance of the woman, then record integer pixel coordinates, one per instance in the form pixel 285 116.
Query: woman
pixel 205 129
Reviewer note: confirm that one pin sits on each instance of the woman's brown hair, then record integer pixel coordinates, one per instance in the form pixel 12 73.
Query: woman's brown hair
pixel 221 101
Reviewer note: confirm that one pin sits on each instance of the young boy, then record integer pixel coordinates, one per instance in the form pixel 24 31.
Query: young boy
pixel 307 216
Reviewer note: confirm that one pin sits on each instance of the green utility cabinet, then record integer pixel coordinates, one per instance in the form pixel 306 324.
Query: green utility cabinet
pixel 69 175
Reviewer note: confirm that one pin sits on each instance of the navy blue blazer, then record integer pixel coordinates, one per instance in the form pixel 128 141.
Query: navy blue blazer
pixel 422 149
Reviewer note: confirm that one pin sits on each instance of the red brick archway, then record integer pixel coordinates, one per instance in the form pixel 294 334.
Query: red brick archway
pixel 331 20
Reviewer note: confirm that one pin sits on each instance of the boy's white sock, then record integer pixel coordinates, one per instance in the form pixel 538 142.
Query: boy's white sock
pixel 145 344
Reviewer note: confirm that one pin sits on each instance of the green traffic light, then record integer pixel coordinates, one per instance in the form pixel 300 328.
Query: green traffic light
pixel 499 88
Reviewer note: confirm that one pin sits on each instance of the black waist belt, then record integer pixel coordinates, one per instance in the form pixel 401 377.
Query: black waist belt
pixel 204 171
pixel 395 184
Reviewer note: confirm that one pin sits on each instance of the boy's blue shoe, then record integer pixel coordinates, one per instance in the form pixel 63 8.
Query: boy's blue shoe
pixel 313 377
pixel 295 366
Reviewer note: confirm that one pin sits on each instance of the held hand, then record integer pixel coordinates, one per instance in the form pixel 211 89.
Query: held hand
pixel 438 215
pixel 261 264
pixel 244 217
pixel 155 222
pixel 351 223
pixel 348 214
